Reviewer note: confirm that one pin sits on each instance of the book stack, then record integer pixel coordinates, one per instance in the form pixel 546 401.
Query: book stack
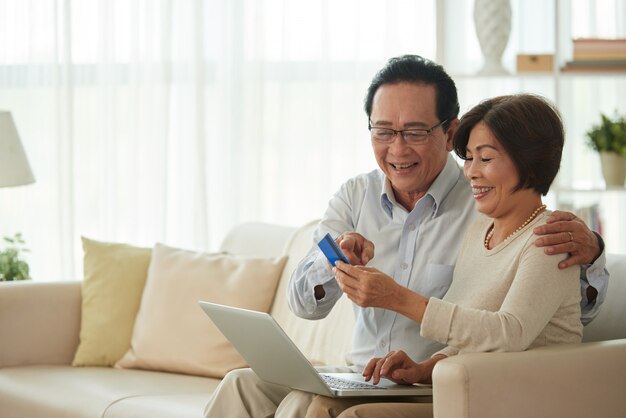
pixel 594 54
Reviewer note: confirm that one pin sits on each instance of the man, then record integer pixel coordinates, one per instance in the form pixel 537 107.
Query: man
pixel 406 219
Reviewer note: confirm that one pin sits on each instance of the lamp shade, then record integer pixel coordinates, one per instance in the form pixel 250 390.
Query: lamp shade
pixel 14 167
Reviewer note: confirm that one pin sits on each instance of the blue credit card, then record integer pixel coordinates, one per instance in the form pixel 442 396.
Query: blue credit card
pixel 331 250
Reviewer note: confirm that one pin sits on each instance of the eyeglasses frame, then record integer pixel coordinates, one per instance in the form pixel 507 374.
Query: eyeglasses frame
pixel 426 132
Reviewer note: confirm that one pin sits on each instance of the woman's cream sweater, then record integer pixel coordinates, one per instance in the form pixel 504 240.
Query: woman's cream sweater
pixel 510 298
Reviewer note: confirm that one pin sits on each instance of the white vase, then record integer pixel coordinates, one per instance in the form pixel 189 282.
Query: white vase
pixel 492 19
pixel 613 168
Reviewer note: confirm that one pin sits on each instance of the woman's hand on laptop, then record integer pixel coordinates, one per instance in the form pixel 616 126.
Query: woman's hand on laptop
pixel 398 367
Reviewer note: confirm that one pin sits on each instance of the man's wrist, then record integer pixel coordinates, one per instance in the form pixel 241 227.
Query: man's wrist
pixel 600 246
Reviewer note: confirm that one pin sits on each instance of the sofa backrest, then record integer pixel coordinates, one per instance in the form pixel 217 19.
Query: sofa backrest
pixel 257 239
pixel 610 324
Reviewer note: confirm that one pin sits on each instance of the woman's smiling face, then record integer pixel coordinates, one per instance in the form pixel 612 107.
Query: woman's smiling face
pixel 491 172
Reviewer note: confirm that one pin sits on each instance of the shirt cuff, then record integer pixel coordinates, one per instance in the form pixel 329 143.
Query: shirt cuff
pixel 595 272
pixel 600 241
pixel 322 273
pixel 437 320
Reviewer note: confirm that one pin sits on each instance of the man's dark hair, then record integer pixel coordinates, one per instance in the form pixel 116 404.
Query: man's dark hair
pixel 418 70
pixel 530 130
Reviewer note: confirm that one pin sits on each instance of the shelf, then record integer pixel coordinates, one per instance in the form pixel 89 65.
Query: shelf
pixel 591 73
pixel 539 76
pixel 616 189
pixel 491 77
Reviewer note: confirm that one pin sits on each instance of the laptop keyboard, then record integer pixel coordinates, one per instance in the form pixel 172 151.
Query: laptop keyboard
pixel 339 383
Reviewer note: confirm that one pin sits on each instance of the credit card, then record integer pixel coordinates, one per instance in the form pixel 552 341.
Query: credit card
pixel 331 250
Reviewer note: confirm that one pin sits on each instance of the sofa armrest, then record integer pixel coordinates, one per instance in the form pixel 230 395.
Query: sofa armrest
pixel 39 322
pixel 581 380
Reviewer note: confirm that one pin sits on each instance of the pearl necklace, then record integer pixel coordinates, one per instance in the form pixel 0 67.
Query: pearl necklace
pixel 526 222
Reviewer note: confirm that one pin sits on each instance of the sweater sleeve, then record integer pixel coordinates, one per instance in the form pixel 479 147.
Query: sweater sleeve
pixel 538 290
pixel 447 351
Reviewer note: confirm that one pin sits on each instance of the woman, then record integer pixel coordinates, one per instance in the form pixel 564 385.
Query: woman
pixel 506 295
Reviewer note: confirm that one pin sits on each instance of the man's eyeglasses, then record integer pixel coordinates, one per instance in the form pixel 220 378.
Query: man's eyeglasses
pixel 410 136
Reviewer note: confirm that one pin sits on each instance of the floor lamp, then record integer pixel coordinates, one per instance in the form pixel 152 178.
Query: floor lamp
pixel 14 167
pixel 14 171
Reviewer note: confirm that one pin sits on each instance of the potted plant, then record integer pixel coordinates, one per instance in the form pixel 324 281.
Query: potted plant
pixel 12 267
pixel 609 139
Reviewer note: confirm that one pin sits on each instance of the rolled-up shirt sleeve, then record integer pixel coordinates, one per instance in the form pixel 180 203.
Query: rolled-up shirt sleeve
pixel 596 276
pixel 312 271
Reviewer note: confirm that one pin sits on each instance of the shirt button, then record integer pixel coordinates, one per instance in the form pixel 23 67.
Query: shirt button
pixel 412 227
pixel 383 344
pixel 404 266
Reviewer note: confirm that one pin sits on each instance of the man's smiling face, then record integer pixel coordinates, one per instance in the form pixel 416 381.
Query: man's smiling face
pixel 411 169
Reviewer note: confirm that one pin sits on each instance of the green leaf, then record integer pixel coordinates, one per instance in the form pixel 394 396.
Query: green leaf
pixel 609 135
pixel 12 267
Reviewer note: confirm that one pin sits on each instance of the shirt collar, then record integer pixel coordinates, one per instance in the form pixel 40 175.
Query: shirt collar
pixel 443 184
pixel 387 198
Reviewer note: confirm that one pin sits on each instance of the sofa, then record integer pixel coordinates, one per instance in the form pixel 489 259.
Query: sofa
pixel 40 328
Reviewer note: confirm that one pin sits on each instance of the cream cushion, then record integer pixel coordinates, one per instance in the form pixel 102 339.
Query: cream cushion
pixel 114 277
pixel 172 333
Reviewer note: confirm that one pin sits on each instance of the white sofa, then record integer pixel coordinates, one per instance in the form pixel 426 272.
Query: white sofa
pixel 39 329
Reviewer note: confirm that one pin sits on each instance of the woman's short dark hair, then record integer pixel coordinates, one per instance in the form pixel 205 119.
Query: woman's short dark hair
pixel 418 70
pixel 530 130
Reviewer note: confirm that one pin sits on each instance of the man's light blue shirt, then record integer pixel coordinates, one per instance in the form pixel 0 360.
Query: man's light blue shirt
pixel 418 249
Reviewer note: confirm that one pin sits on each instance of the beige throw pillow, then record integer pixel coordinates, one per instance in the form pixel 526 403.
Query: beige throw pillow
pixel 114 276
pixel 172 333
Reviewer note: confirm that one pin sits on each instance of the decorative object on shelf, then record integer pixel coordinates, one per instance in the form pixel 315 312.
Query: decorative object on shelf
pixel 609 139
pixel 12 267
pixel 14 167
pixel 492 20
pixel 528 63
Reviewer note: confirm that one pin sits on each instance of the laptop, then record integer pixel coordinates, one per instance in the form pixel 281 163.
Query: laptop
pixel 276 359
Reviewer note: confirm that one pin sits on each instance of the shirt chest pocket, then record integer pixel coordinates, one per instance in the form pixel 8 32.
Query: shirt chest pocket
pixel 437 281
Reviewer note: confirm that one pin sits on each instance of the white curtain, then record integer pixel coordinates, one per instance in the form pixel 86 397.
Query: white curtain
pixel 173 120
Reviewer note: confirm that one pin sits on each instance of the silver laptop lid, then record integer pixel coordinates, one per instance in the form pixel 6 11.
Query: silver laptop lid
pixel 266 348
